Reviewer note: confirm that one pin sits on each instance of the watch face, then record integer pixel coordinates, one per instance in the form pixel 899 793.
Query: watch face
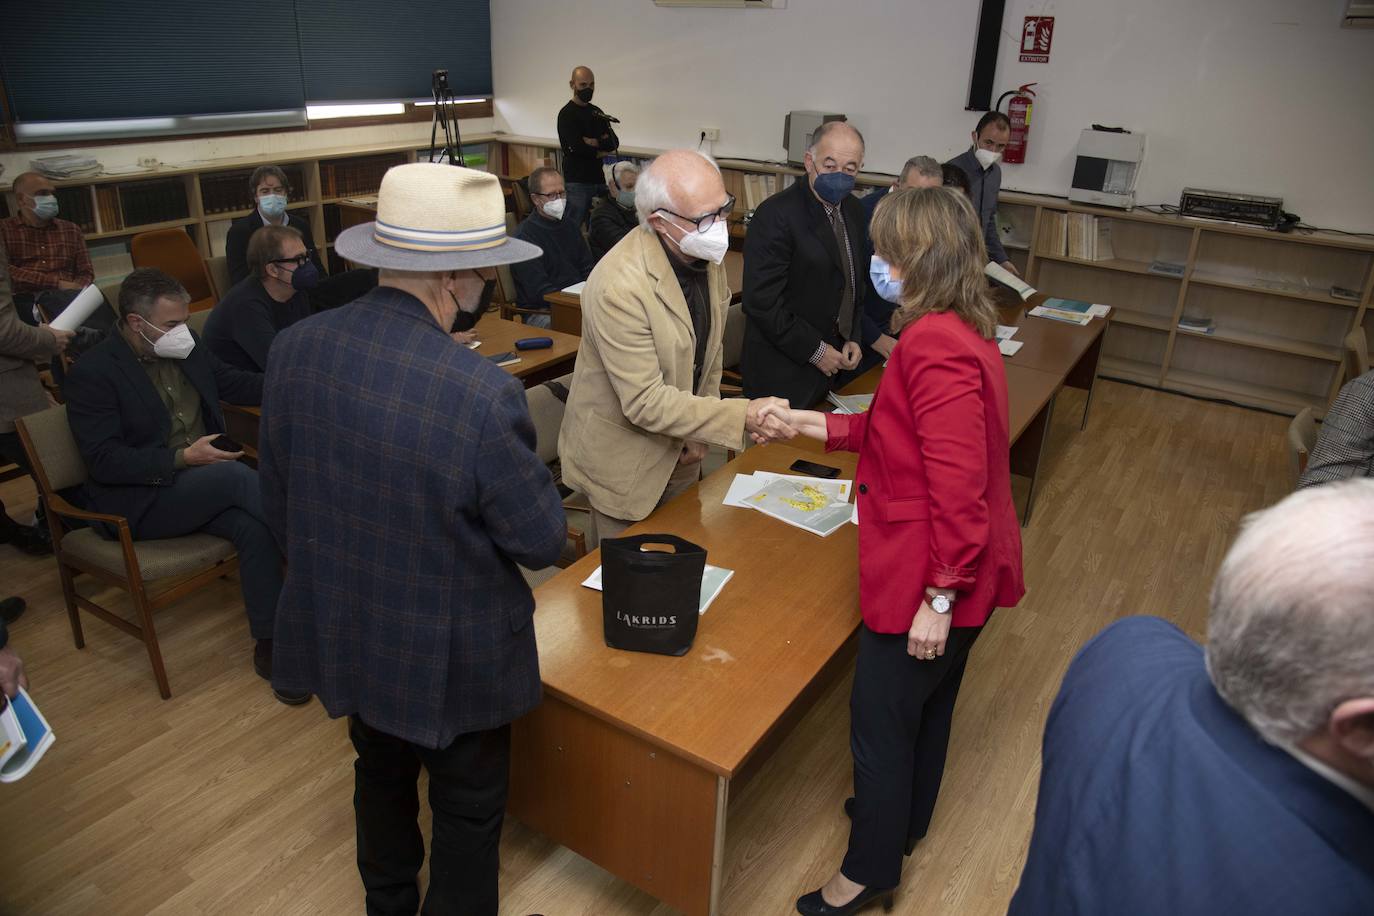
pixel 940 604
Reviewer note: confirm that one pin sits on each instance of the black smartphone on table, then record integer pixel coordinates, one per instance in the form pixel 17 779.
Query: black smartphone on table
pixel 225 444
pixel 812 469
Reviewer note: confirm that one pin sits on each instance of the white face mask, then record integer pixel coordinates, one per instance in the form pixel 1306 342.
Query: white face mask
pixel 710 245
pixel 174 344
pixel 554 208
pixel 986 158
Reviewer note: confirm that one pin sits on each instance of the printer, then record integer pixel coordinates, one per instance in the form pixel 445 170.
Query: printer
pixel 1105 171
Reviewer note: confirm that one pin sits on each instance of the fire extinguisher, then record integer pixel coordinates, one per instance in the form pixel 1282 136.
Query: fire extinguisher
pixel 1019 113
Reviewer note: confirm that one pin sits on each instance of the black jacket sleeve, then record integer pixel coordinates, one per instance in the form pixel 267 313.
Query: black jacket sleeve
pixel 95 415
pixel 236 249
pixel 236 386
pixel 768 253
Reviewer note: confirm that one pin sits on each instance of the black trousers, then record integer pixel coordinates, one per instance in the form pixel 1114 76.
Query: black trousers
pixel 900 711
pixel 223 499
pixel 12 450
pixel 468 781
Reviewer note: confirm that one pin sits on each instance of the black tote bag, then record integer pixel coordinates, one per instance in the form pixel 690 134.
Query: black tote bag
pixel 650 598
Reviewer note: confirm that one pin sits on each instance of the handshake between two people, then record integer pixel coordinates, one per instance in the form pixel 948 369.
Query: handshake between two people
pixel 774 420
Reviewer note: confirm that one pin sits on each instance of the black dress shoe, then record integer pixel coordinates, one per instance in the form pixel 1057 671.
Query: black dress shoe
pixel 29 540
pixel 911 841
pixel 813 904
pixel 11 609
pixel 262 664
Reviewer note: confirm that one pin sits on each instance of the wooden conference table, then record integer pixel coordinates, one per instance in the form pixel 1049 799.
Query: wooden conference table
pixel 497 335
pixel 631 758
pixel 565 309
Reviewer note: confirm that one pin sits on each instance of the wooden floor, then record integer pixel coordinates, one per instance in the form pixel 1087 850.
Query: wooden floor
pixel 220 800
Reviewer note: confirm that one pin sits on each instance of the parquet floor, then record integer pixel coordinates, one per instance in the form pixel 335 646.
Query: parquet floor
pixel 223 801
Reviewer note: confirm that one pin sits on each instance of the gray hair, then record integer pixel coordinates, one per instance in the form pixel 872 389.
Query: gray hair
pixel 654 191
pixel 922 165
pixel 620 169
pixel 1291 621
pixel 827 128
pixel 142 289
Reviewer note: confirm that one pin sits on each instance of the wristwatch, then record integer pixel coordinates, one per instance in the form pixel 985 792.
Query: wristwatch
pixel 940 604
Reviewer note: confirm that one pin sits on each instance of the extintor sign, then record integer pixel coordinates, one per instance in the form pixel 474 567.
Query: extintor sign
pixel 1035 39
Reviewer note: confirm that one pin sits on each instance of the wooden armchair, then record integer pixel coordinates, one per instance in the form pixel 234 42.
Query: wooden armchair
pixel 190 562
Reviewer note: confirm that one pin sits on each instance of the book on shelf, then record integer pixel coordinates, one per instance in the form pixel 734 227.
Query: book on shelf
pixel 144 203
pixel 1090 238
pixel 1102 249
pixel 76 206
pixel 1166 269
pixel 1055 226
pixel 1196 325
pixel 108 211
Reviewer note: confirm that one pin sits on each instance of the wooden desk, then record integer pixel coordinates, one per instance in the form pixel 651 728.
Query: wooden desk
pixel 565 309
pixel 1054 346
pixel 630 759
pixel 497 335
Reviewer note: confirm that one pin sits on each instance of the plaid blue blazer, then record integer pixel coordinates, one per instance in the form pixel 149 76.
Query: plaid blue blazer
pixel 399 477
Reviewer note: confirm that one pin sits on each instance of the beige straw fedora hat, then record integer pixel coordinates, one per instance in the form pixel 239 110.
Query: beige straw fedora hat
pixel 435 217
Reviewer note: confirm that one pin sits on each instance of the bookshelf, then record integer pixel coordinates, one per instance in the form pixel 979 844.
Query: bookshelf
pixel 205 198
pixel 1276 338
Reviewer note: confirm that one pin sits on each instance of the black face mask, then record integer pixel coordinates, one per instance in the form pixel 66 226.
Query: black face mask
pixel 465 320
pixel 584 95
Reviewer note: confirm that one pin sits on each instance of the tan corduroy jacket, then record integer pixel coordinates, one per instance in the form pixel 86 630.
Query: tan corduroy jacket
pixel 21 393
pixel 632 407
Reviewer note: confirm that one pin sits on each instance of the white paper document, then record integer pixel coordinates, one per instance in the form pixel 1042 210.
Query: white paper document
pixel 802 505
pixel 746 485
pixel 713 580
pixel 1005 332
pixel 1009 347
pixel 850 403
pixel 575 289
pixel 81 308
pixel 1099 311
pixel 1007 278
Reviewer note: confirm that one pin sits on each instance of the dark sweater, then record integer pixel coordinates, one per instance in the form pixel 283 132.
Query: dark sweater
pixel 609 224
pixel 241 230
pixel 582 163
pixel 566 260
pixel 243 324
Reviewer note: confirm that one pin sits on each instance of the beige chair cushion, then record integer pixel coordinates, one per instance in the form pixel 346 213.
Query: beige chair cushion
pixel 196 321
pixel 219 275
pixel 57 451
pixel 159 559
pixel 732 341
pixel 546 410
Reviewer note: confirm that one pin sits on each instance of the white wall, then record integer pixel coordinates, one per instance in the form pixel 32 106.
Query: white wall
pixel 181 152
pixel 1259 96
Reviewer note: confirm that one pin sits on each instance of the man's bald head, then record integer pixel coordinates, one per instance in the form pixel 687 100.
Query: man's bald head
pixel 681 180
pixel 583 83
pixel 23 184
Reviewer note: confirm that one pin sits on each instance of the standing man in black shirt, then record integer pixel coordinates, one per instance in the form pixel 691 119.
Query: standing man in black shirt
pixel 584 132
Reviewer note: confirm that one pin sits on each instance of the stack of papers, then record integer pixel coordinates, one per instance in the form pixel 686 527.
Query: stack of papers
pixel 713 579
pixel 850 403
pixel 67 165
pixel 1071 311
pixel 813 504
pixel 1005 344
pixel 575 289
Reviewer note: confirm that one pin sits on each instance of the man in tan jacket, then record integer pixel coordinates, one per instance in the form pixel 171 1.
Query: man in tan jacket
pixel 20 393
pixel 645 401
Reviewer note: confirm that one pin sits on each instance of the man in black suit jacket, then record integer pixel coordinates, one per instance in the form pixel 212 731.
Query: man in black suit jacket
pixel 805 281
pixel 270 194
pixel 144 409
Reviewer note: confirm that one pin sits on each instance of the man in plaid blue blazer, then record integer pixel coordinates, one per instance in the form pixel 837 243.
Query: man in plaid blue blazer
pixel 400 477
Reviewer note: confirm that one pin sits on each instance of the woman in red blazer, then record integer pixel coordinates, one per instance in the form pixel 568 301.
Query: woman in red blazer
pixel 939 542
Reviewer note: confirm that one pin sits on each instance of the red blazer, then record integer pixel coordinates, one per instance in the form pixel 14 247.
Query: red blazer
pixel 934 481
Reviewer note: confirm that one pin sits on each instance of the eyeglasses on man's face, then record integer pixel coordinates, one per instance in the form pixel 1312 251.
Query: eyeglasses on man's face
pixel 299 260
pixel 703 223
